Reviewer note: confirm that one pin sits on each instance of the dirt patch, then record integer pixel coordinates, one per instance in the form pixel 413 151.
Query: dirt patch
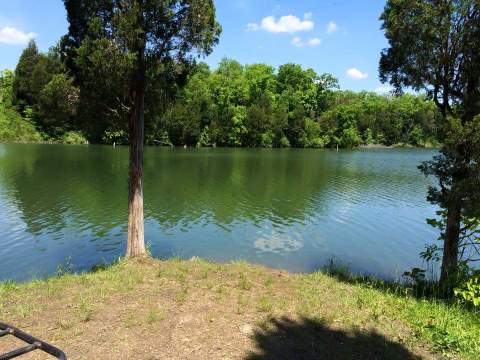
pixel 199 310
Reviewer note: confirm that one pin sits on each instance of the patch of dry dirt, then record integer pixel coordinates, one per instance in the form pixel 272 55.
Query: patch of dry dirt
pixel 197 310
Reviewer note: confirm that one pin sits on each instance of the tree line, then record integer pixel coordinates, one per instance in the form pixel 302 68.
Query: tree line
pixel 83 97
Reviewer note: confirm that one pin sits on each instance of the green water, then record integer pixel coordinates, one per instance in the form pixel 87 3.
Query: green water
pixel 291 209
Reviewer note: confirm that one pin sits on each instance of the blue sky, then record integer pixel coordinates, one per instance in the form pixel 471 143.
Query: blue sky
pixel 342 37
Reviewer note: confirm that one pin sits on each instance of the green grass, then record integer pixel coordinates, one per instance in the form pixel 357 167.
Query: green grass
pixel 154 315
pixel 86 308
pixel 336 299
pixel 449 327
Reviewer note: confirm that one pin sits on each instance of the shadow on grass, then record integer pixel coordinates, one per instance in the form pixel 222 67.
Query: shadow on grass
pixel 420 290
pixel 310 339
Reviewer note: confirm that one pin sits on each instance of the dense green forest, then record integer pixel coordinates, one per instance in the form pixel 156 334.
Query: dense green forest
pixel 82 98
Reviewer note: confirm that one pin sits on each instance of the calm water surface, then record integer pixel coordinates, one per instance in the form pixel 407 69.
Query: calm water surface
pixel 291 209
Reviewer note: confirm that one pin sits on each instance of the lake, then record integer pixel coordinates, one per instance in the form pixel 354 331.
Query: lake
pixel 290 209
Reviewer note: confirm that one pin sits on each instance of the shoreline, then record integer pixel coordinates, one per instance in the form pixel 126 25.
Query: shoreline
pixel 399 146
pixel 209 310
pixel 362 146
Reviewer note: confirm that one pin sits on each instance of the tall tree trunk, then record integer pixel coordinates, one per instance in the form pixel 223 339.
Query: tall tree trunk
pixel 450 246
pixel 136 238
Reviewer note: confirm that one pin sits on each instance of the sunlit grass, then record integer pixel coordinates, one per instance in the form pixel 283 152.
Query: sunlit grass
pixel 340 300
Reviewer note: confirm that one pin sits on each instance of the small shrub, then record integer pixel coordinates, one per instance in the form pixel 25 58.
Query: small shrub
pixel 154 315
pixel 205 137
pixel 269 281
pixel 415 276
pixel 115 136
pixel 265 304
pixel 24 310
pixel 469 291
pixel 86 309
pixel 182 295
pixel 284 142
pixel 243 283
pixel 267 139
pixel 338 270
pixel 73 138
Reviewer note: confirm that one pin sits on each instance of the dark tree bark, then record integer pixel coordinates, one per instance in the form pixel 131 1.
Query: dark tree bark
pixel 450 246
pixel 136 234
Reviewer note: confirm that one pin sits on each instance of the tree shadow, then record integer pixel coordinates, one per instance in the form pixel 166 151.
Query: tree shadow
pixel 310 339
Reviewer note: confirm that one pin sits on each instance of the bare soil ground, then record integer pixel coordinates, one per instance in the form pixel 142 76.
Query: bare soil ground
pixel 150 309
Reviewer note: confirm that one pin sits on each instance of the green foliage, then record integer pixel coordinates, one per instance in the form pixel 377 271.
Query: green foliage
pixel 23 88
pixel 189 104
pixel 126 54
pixel 284 142
pixel 469 291
pixel 463 278
pixel 12 126
pixel 416 136
pixel 205 137
pixel 433 46
pixel 255 106
pixel 115 137
pixel 350 137
pixel 57 105
pixel 15 128
pixel 368 137
pixel 268 139
pixel 102 73
pixel 450 162
pixel 429 41
pixel 312 136
pixel 6 88
pixel 238 129
pixel 416 275
pixel 74 138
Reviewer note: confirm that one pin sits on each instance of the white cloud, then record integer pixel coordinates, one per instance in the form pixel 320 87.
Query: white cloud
pixel 252 27
pixel 314 42
pixel 356 74
pixel 332 27
pixel 286 24
pixel 278 243
pixel 12 36
pixel 298 42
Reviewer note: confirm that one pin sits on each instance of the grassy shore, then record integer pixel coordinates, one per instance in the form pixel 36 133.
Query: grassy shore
pixel 151 309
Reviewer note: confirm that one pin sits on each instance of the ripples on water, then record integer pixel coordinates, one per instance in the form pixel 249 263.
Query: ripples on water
pixel 292 209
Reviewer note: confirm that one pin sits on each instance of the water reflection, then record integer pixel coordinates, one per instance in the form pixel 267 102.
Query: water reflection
pixel 285 208
pixel 279 243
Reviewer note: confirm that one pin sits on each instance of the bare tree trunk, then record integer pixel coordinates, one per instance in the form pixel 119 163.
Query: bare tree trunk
pixel 450 246
pixel 136 238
